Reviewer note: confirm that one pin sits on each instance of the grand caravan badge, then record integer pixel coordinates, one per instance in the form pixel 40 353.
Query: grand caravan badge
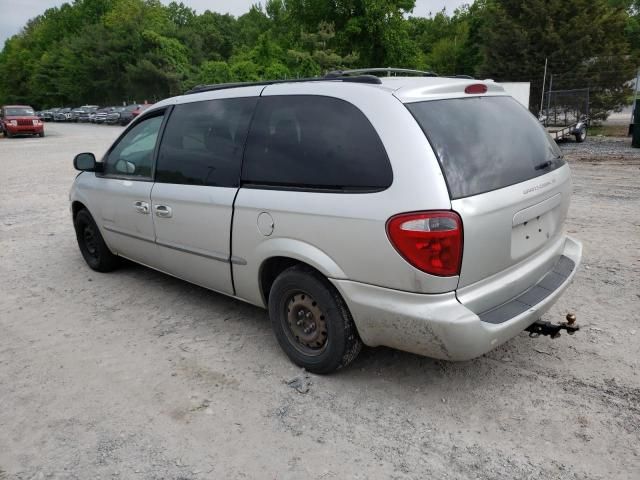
pixel 540 186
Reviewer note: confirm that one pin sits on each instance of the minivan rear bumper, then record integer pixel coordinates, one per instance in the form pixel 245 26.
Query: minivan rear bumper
pixel 439 325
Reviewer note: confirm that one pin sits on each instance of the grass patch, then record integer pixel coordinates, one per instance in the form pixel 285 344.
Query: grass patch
pixel 609 130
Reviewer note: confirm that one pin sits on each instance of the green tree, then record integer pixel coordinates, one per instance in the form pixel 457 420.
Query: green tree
pixel 110 51
pixel 584 41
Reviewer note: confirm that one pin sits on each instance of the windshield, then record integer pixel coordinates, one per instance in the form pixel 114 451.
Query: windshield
pixel 19 112
pixel 485 143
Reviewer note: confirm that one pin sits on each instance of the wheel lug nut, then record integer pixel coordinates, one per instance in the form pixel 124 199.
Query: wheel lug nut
pixel 299 323
pixel 309 315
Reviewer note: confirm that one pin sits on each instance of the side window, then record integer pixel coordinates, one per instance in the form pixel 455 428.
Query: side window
pixel 204 141
pixel 133 154
pixel 311 141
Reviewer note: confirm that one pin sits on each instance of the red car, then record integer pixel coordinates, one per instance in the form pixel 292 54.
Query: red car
pixel 20 120
pixel 140 109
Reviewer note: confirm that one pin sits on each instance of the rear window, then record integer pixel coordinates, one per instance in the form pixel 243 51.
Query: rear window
pixel 486 143
pixel 315 142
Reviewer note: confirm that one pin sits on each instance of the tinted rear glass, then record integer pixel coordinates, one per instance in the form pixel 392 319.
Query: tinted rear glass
pixel 311 141
pixel 486 143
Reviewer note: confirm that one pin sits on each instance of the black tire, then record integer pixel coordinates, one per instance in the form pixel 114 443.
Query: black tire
pixel 41 134
pixel 92 246
pixel 581 135
pixel 333 342
pixel 7 134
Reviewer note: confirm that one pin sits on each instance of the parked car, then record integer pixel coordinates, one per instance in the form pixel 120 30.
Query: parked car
pixel 141 108
pixel 101 114
pixel 113 117
pixel 126 115
pixel 92 115
pixel 131 112
pixel 62 115
pixel 81 113
pixel 20 120
pixel 49 114
pixel 424 214
pixel 84 113
pixel 75 113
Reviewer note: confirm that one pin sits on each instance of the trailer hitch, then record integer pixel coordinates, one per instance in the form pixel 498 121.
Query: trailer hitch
pixel 553 330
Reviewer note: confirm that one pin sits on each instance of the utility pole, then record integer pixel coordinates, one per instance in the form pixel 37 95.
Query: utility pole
pixel 549 96
pixel 544 81
pixel 635 102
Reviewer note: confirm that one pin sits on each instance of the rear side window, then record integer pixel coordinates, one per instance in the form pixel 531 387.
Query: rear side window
pixel 309 141
pixel 203 142
pixel 485 143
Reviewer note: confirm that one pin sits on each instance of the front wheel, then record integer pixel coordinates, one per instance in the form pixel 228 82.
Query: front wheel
pixel 312 322
pixel 92 246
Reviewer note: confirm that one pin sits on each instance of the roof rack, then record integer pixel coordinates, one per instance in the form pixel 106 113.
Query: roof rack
pixel 387 70
pixel 332 76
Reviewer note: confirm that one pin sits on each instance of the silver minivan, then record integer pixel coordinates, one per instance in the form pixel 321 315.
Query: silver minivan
pixel 420 213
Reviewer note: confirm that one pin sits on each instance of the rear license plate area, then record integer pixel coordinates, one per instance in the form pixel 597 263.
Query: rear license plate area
pixel 532 234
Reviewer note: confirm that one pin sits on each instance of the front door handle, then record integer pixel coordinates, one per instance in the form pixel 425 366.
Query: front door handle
pixel 163 211
pixel 142 207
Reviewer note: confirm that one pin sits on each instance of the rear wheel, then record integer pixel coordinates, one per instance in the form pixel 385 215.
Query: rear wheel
pixel 311 321
pixel 92 246
pixel 581 135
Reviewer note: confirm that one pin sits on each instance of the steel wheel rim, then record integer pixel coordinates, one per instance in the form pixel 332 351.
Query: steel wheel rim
pixel 305 324
pixel 90 241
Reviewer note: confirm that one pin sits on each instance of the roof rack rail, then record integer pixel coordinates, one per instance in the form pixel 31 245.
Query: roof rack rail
pixel 370 79
pixel 468 77
pixel 387 70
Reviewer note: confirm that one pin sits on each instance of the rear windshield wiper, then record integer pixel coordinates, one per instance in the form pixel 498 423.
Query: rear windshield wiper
pixel 543 165
pixel 547 164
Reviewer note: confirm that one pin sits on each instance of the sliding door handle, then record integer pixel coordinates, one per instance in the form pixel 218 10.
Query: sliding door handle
pixel 163 211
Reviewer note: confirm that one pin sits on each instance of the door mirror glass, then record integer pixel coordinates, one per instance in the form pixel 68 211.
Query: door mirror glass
pixel 85 162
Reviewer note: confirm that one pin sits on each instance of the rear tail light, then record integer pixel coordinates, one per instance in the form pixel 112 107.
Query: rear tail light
pixel 430 241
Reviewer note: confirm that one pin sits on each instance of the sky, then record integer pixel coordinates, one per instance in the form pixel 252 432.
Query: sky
pixel 15 13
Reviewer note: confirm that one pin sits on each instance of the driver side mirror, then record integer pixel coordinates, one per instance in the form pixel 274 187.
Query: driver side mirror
pixel 85 162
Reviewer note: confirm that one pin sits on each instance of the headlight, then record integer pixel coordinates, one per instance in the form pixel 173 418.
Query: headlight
pixel 37 122
pixel 13 123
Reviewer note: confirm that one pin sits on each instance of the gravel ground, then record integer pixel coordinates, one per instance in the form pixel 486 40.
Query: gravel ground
pixel 137 375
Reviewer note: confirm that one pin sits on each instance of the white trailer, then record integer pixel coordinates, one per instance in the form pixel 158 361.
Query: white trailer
pixel 521 91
